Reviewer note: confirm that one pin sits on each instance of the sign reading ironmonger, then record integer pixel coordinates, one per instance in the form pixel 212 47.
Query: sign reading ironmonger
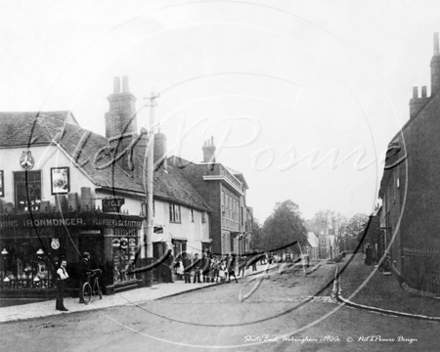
pixel 102 222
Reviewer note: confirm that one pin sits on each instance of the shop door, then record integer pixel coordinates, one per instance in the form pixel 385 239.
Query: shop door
pixel 158 251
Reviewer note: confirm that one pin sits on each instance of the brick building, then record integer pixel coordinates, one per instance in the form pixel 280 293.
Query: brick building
pixel 224 190
pixel 409 189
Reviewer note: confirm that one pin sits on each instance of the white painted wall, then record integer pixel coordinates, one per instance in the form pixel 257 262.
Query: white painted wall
pixel 194 232
pixel 45 158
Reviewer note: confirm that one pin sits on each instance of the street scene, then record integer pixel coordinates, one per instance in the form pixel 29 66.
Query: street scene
pixel 220 176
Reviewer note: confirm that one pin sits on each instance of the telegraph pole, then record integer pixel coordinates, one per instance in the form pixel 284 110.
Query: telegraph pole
pixel 150 171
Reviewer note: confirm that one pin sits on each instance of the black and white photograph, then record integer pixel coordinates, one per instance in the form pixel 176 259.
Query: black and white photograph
pixel 60 180
pixel 220 175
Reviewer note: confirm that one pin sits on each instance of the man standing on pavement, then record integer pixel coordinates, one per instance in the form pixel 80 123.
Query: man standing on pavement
pixel 196 266
pixel 186 262
pixel 84 268
pixel 62 276
pixel 168 267
pixel 206 266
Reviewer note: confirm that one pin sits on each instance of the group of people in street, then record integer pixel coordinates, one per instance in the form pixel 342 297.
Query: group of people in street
pixel 209 268
pixel 206 268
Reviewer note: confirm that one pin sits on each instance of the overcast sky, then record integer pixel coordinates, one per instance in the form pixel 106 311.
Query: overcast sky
pixel 281 85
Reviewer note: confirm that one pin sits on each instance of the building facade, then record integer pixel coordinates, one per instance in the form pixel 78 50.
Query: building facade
pixel 409 190
pixel 65 190
pixel 224 190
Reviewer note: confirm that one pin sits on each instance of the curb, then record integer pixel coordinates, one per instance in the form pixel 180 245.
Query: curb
pixel 337 295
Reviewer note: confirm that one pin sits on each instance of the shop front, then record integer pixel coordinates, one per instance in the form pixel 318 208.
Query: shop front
pixel 32 245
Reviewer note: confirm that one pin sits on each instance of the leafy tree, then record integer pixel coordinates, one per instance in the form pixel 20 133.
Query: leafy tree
pixel 355 227
pixel 284 226
pixel 257 235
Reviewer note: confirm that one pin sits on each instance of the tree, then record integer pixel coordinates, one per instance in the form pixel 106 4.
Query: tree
pixel 257 235
pixel 355 226
pixel 284 226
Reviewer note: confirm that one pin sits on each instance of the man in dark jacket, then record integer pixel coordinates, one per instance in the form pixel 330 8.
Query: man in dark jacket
pixel 84 268
pixel 186 262
pixel 206 266
pixel 196 266
pixel 168 269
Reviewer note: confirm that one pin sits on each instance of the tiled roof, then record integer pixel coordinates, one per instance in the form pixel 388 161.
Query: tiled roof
pixel 172 186
pixel 24 129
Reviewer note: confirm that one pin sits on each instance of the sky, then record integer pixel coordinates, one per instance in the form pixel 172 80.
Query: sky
pixel 302 97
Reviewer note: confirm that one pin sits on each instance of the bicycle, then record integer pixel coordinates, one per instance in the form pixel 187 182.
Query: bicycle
pixel 87 290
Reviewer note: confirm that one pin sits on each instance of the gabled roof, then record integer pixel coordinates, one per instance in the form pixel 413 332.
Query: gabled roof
pixel 89 152
pixel 172 186
pixel 311 238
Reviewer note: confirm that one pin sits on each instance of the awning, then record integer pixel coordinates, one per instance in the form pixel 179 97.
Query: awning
pixel 178 239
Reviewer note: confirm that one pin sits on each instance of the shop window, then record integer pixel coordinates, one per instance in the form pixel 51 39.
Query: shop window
pixel 174 213
pixel 27 187
pixel 124 250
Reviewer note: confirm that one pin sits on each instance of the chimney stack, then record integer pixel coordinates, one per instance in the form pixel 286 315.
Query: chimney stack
pixel 435 66
pixel 209 151
pixel 160 151
pixel 125 87
pixel 121 118
pixel 116 85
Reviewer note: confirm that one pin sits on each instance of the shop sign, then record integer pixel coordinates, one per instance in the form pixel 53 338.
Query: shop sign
pixel 74 222
pixel 55 243
pixel 112 205
pixel 27 161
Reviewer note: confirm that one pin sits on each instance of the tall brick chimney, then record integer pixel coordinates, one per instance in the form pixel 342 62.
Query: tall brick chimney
pixel 209 151
pixel 120 120
pixel 160 150
pixel 435 66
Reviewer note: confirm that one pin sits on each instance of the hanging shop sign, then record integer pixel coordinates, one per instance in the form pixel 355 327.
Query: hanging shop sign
pixel 112 205
pixel 27 161
pixel 55 243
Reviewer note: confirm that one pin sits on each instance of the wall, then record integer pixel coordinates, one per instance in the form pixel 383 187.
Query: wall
pixel 45 158
pixel 194 232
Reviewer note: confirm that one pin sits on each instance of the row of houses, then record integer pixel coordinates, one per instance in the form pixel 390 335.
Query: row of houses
pixel 65 190
pixel 410 187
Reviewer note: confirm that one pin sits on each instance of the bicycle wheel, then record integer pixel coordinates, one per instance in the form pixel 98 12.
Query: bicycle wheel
pixel 87 292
